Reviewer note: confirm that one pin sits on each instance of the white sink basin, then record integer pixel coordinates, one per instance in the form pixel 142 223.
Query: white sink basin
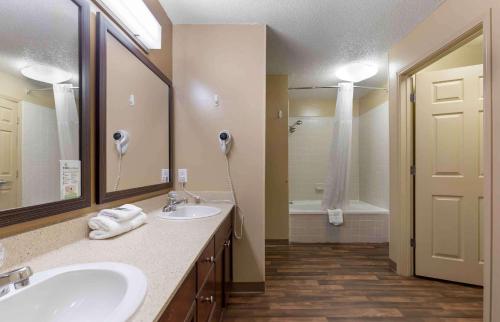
pixel 190 212
pixel 107 292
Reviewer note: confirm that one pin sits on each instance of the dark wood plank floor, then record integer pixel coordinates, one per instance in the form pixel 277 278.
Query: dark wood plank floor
pixel 349 282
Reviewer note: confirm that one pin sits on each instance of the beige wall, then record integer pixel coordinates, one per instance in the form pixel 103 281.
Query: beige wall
pixel 228 61
pixel 146 121
pixel 449 21
pixel 14 88
pixel 467 55
pixel 374 148
pixel 161 58
pixel 276 157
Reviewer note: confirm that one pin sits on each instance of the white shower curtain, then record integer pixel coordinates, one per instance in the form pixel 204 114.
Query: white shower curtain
pixel 67 122
pixel 336 194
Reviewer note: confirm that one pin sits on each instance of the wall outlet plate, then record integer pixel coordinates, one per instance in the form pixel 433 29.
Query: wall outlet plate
pixel 165 175
pixel 182 175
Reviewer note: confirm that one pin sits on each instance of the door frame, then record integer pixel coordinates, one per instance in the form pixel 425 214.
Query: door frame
pixel 19 147
pixel 405 150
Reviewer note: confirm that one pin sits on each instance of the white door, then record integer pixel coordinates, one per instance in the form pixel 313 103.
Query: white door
pixel 8 154
pixel 449 174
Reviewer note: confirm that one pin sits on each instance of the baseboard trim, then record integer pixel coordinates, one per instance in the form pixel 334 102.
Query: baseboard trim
pixel 248 287
pixel 393 266
pixel 277 242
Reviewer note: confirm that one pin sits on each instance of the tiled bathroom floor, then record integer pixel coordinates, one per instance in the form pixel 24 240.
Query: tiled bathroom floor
pixel 349 282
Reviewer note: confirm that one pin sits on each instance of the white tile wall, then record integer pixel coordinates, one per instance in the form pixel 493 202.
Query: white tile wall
pixel 308 153
pixel 39 154
pixel 374 155
pixel 357 228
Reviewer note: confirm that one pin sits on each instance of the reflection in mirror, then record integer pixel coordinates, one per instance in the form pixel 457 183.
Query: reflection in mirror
pixel 39 102
pixel 134 118
pixel 136 121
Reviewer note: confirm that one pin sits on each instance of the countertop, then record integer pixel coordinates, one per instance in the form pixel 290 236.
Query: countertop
pixel 165 250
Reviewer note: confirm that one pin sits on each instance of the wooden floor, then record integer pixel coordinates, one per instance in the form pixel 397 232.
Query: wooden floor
pixel 349 282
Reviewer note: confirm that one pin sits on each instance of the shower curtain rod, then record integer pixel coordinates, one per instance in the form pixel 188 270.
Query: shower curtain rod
pixel 337 86
pixel 28 90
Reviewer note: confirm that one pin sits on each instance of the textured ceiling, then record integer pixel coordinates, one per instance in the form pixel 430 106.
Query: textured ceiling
pixel 309 39
pixel 44 32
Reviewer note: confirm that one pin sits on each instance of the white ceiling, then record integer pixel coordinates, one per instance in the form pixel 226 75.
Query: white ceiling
pixel 43 32
pixel 309 39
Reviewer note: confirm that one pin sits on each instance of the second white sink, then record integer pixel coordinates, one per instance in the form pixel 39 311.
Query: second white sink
pixel 98 292
pixel 191 212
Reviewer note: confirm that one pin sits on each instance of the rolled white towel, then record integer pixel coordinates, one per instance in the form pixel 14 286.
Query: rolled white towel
pixel 105 227
pixel 336 217
pixel 122 213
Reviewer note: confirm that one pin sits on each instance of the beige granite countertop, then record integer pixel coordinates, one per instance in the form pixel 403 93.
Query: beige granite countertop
pixel 164 250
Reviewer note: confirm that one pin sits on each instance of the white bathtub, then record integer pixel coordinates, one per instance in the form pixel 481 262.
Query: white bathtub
pixel 363 223
pixel 314 207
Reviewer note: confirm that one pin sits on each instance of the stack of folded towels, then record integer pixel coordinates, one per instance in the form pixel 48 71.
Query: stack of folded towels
pixel 116 221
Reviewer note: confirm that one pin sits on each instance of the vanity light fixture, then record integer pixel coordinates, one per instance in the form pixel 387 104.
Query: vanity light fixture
pixel 137 19
pixel 46 74
pixel 356 72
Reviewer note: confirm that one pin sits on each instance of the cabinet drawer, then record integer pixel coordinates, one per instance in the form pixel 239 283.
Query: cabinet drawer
pixel 222 233
pixel 183 302
pixel 205 262
pixel 205 301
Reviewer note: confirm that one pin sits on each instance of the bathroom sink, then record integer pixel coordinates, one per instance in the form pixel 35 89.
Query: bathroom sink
pixel 107 292
pixel 191 212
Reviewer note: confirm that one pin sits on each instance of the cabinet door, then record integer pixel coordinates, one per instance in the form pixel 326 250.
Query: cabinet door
pixel 183 305
pixel 227 269
pixel 205 301
pixel 219 284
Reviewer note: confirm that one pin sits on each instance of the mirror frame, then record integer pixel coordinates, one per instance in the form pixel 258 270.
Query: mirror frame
pixel 18 215
pixel 104 26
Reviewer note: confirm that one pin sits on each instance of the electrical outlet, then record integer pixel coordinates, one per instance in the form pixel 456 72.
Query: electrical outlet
pixel 182 175
pixel 165 175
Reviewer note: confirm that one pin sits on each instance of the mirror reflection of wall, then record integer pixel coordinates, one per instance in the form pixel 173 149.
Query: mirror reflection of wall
pixel 137 103
pixel 39 102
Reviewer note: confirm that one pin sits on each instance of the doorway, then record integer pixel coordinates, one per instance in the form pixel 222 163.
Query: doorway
pixel 449 166
pixel 8 153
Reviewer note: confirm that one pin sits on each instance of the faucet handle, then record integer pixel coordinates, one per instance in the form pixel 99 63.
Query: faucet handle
pixel 20 277
pixel 172 195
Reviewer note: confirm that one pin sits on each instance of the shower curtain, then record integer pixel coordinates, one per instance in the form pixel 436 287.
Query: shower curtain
pixel 67 122
pixel 335 194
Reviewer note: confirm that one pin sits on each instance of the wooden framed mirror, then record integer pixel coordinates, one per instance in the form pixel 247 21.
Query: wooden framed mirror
pixel 44 108
pixel 134 118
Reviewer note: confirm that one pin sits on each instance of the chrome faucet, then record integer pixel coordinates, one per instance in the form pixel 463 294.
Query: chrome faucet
pixel 19 278
pixel 173 202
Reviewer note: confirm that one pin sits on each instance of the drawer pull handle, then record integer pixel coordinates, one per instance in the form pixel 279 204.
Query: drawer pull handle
pixel 227 243
pixel 210 259
pixel 207 299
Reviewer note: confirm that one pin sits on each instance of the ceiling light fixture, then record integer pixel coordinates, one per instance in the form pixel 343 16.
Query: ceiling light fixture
pixel 46 74
pixel 135 16
pixel 356 72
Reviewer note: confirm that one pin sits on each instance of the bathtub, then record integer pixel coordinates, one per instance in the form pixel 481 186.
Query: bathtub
pixel 363 223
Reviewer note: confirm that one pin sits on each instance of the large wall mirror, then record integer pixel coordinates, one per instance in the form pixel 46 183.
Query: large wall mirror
pixel 44 114
pixel 134 118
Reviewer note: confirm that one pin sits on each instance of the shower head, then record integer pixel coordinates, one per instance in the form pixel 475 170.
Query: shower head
pixel 292 128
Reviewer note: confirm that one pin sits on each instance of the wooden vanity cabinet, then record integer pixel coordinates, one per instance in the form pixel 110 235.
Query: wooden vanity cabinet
pixel 203 295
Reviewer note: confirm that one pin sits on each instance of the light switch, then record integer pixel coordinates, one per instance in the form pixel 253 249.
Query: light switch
pixel 131 100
